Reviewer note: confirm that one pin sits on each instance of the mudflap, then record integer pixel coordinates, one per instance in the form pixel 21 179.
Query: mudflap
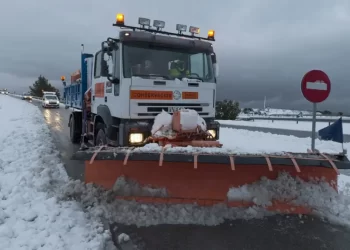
pixel 204 179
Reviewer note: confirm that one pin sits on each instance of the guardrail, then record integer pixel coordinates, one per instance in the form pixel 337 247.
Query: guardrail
pixel 279 131
pixel 296 120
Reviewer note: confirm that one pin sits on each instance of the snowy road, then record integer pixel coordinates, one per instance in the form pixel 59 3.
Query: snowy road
pixel 57 119
pixel 276 232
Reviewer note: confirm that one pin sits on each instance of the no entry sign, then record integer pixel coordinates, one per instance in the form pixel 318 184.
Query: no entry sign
pixel 315 86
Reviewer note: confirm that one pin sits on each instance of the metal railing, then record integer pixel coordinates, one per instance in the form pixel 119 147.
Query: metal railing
pixel 295 119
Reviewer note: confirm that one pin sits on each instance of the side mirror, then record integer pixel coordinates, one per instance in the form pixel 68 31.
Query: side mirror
pixel 104 66
pixel 216 70
pixel 215 64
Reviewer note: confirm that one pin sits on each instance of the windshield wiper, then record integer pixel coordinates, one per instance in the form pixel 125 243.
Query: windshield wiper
pixel 151 75
pixel 194 77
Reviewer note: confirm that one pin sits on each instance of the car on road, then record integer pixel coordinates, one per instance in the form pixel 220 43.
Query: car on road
pixel 26 96
pixel 50 101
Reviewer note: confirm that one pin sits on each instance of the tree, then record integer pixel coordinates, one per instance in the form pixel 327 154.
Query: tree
pixel 40 85
pixel 227 110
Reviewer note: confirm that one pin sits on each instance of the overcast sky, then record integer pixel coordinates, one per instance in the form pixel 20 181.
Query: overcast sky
pixel 264 46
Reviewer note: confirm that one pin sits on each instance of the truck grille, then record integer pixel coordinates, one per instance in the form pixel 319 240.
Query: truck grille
pixel 154 109
pixel 52 103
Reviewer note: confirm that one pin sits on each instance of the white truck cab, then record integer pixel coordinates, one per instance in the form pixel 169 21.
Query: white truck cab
pixel 144 71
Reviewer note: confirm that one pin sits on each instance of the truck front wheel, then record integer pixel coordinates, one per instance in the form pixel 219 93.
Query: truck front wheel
pixel 101 135
pixel 74 135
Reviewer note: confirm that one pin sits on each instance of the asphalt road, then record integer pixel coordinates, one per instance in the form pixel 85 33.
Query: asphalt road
pixel 273 233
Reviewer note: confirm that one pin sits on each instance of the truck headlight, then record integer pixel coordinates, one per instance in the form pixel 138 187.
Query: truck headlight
pixel 212 132
pixel 46 102
pixel 135 138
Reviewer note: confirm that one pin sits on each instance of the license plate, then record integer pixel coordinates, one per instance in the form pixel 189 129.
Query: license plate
pixel 174 109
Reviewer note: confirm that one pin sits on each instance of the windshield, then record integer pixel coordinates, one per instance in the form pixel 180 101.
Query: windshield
pixel 51 97
pixel 147 59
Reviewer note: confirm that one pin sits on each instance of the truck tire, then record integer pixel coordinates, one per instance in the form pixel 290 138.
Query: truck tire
pixel 73 130
pixel 101 138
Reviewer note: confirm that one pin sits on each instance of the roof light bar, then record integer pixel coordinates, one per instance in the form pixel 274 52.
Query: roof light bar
pixel 159 24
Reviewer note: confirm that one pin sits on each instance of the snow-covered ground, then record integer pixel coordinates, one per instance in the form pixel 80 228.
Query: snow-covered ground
pixel 288 112
pixel 285 113
pixel 31 175
pixel 289 125
pixel 41 208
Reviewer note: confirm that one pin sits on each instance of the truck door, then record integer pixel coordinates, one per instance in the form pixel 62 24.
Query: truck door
pixel 98 84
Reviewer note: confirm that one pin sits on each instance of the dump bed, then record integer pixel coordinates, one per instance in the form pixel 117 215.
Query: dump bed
pixel 74 92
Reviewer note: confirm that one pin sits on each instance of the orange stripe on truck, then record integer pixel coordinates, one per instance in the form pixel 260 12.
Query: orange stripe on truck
pixel 150 95
pixel 190 95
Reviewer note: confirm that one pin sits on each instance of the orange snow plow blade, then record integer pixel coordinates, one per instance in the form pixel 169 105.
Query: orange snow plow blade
pixel 204 179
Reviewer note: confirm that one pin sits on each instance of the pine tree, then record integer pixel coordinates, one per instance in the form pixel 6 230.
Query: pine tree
pixel 41 85
pixel 227 110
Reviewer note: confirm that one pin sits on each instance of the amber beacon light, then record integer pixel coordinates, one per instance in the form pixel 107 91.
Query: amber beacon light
pixel 119 19
pixel 211 34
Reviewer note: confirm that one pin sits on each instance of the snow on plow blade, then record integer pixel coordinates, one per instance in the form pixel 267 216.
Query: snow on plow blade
pixel 204 179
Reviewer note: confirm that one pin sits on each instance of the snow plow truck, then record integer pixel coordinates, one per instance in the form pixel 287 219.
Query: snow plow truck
pixel 144 109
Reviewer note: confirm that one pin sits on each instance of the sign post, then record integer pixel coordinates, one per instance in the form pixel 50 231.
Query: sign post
pixel 316 88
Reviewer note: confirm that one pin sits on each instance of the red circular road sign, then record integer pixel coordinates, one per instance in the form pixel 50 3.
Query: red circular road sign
pixel 315 86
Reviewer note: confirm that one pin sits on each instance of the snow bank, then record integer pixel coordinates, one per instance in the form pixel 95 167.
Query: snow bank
pixel 103 203
pixel 127 187
pixel 279 112
pixel 321 197
pixel 31 175
pixel 326 202
pixel 287 125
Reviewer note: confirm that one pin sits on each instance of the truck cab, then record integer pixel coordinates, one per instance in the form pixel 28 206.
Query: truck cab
pixel 132 78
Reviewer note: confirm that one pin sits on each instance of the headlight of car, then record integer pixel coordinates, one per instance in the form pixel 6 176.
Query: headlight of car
pixel 46 102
